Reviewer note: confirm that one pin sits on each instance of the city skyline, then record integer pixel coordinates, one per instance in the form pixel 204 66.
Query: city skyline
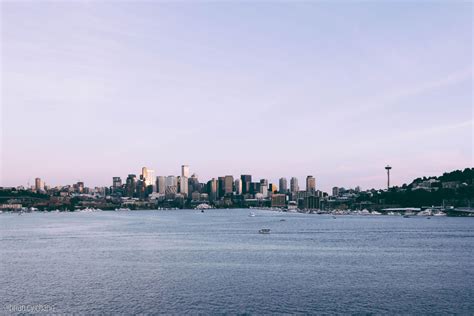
pixel 84 98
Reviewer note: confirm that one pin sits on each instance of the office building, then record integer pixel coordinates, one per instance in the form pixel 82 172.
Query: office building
pixel 39 185
pixel 283 185
pixel 238 186
pixel 228 184
pixel 185 171
pixel 130 185
pixel 183 186
pixel 160 184
pixel 310 184
pixel 278 200
pixel 294 185
pixel 246 182
pixel 116 183
pixel 148 176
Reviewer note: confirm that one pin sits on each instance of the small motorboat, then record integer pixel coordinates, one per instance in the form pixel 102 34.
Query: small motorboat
pixel 264 231
pixel 252 214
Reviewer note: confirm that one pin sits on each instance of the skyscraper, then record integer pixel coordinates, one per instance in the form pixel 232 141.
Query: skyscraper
pixel 310 184
pixel 212 189
pixel 148 176
pixel 335 191
pixel 193 184
pixel 272 188
pixel 130 185
pixel 116 183
pixel 294 185
pixel 246 180
pixel 264 187
pixel 220 187
pixel 171 183
pixel 238 186
pixel 283 185
pixel 160 184
pixel 185 171
pixel 228 184
pixel 183 185
pixel 39 185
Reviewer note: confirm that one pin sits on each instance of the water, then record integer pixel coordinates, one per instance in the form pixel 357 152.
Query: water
pixel 215 262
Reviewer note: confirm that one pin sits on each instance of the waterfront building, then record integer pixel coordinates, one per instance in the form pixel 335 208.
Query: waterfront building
pixel 335 191
pixel 311 202
pixel 278 200
pixel 294 185
pixel 310 184
pixel 246 181
pixel 228 184
pixel 283 185
pixel 238 186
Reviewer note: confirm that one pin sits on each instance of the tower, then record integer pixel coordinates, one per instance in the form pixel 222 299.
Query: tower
pixel 185 171
pixel 388 176
pixel 310 185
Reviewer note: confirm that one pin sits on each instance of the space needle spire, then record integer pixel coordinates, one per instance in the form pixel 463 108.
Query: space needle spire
pixel 388 176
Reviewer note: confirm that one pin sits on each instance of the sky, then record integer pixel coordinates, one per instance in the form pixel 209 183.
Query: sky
pixel 337 90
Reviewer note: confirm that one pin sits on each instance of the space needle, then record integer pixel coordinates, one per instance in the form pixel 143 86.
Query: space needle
pixel 388 176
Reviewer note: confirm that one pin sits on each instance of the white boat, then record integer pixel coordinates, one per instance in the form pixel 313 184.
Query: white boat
pixel 122 209
pixel 251 214
pixel 375 213
pixel 426 212
pixel 439 213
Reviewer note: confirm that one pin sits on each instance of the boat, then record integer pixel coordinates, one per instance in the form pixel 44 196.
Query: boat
pixel 406 216
pixel 122 209
pixel 440 213
pixel 264 231
pixel 282 220
pixel 251 214
pixel 375 213
pixel 426 212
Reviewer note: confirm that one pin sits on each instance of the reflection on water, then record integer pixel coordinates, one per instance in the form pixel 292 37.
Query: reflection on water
pixel 191 262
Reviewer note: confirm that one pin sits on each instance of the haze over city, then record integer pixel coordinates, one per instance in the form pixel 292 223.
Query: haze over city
pixel 92 90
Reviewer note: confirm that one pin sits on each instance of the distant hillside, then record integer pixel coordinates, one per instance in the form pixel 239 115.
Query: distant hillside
pixel 454 188
pixel 464 176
